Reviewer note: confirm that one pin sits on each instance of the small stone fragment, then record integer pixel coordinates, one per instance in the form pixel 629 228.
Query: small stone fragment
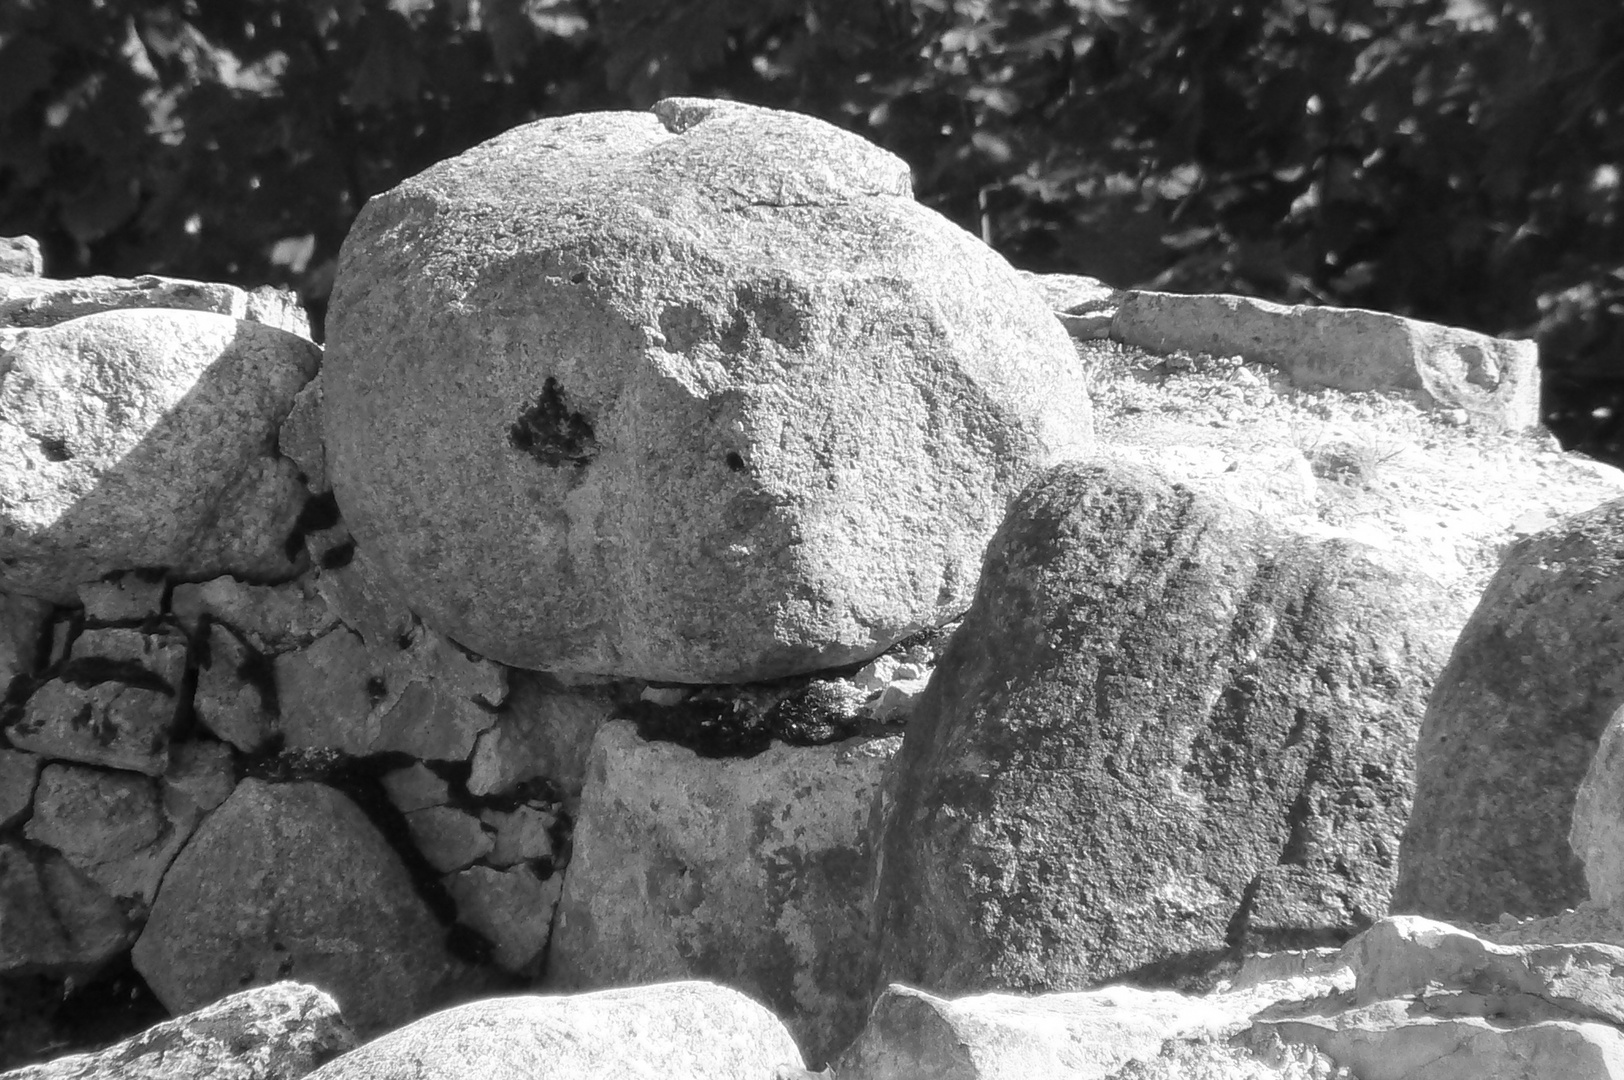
pixel 18 773
pixel 524 834
pixel 513 909
pixel 200 778
pixel 22 627
pixel 126 597
pixel 20 257
pixel 543 731
pixel 227 700
pixel 300 439
pixel 415 787
pixel 448 838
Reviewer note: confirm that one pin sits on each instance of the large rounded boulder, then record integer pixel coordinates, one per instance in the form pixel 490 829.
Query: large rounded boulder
pixel 699 394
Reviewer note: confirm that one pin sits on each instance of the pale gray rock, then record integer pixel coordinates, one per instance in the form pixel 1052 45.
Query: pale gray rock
pixel 521 836
pixel 1085 306
pixel 745 409
pixel 144 438
pixel 1405 956
pixel 114 703
pixel 52 917
pixel 545 730
pixel 233 683
pixel 47 302
pixel 750 872
pixel 1079 1036
pixel 1512 727
pixel 277 1032
pixel 125 598
pixel 1402 1040
pixel 674 1031
pixel 513 909
pixel 448 838
pixel 23 624
pixel 301 440
pixel 291 881
pixel 19 772
pixel 423 696
pixel 273 619
pixel 20 257
pixel 1163 729
pixel 415 787
pixel 1495 380
pixel 1597 835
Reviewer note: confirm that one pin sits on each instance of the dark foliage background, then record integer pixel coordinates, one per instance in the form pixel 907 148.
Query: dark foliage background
pixel 1458 160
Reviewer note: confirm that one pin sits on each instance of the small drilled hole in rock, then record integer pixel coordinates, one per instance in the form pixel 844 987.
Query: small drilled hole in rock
pixel 54 449
pixel 578 278
pixel 735 462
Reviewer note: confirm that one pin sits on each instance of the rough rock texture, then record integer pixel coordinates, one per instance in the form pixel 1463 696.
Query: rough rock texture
pixel 229 699
pixel 20 257
pixel 449 839
pixel 1495 380
pixel 292 881
pixel 674 1031
pixel 751 872
pixel 274 619
pixel 113 703
pixel 52 916
pixel 146 438
pixel 47 302
pixel 1597 835
pixel 544 730
pixel 1163 730
pixel 1512 727
pixel 743 407
pixel 301 439
pixel 23 620
pixel 421 695
pixel 19 771
pixel 512 908
pixel 1085 306
pixel 277 1032
pixel 110 825
pixel 1083 1036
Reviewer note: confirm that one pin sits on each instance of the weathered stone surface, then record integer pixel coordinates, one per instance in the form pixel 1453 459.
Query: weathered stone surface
pixel 292 881
pixel 414 788
pixel 751 872
pixel 448 838
pixel 426 699
pixel 200 777
pixel 110 825
pixel 1162 728
pixel 359 593
pixel 513 909
pixel 43 302
pixel 143 438
pixel 1400 1040
pixel 1597 835
pixel 675 1031
pixel 1512 727
pixel 277 1032
pixel 1083 1036
pixel 20 257
pixel 1494 379
pixel 52 917
pixel 114 703
pixel 744 409
pixel 19 771
pixel 124 598
pixel 23 622
pixel 301 440
pixel 545 730
pixel 1085 306
pixel 233 684
pixel 273 619
pixel 522 835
